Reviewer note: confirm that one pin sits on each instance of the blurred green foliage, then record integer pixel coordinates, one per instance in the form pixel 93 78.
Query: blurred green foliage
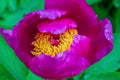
pixel 12 11
pixel 11 68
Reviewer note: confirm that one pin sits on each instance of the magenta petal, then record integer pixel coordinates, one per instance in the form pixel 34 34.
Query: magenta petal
pixel 107 29
pixel 51 14
pixel 64 65
pixel 25 58
pixel 57 27
pixel 79 11
pixel 103 43
pixel 84 45
pixel 6 33
pixel 8 36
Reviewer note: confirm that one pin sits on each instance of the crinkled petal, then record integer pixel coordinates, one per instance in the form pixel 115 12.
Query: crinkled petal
pixel 79 11
pixel 103 43
pixel 8 36
pixel 51 14
pixel 58 26
pixel 107 30
pixel 63 65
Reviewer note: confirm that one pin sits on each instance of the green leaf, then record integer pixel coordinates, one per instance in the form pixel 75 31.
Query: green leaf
pixel 10 61
pixel 31 5
pixel 3 5
pixel 90 2
pixel 105 76
pixel 4 74
pixel 110 63
pixel 80 76
pixel 32 76
pixel 100 12
pixel 116 21
pixel 10 20
pixel 12 5
pixel 117 3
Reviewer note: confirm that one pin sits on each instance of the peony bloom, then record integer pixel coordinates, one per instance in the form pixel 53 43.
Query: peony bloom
pixel 62 40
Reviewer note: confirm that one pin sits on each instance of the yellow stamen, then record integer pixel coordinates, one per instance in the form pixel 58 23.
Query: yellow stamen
pixel 43 45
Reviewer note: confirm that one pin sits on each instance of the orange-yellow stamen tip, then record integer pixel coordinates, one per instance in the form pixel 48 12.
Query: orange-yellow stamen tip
pixel 47 44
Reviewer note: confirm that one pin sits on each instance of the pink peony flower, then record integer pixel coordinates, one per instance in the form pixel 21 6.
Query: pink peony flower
pixel 62 40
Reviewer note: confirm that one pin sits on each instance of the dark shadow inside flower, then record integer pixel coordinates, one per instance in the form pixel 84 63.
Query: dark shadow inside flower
pixel 25 33
pixel 55 40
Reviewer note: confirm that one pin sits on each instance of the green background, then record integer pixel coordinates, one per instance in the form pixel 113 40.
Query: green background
pixel 11 68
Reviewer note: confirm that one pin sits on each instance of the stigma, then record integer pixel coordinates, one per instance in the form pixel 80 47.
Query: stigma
pixel 52 44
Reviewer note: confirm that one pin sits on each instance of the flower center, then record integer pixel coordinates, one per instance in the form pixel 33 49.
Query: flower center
pixel 50 44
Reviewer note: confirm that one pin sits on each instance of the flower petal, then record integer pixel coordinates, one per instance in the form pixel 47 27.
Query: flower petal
pixel 81 44
pixel 8 36
pixel 79 11
pixel 103 44
pixel 51 14
pixel 63 65
pixel 108 29
pixel 58 26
